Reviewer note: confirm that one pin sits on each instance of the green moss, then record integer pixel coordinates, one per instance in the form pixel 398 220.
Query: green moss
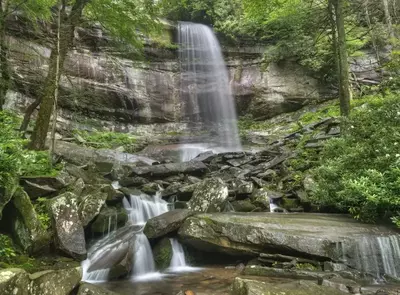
pixel 306 266
pixel 162 253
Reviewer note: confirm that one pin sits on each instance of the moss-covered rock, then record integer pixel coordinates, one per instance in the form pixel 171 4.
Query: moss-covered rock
pixel 90 289
pixel 243 206
pixel 7 189
pixel 93 200
pixel 60 282
pixel 162 253
pixel 69 233
pixel 28 231
pixel 14 281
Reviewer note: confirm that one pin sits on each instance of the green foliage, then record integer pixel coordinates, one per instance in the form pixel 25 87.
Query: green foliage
pixel 107 140
pixel 15 160
pixel 40 206
pixel 360 172
pixel 7 251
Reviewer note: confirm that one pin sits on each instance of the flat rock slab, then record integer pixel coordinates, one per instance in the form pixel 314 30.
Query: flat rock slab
pixel 314 236
pixel 253 287
pixel 90 289
pixel 165 170
pixel 166 223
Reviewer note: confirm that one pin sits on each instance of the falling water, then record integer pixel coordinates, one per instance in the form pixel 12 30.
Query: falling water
pixel 377 256
pixel 205 89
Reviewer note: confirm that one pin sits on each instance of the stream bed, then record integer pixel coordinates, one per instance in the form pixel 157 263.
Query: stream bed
pixel 208 281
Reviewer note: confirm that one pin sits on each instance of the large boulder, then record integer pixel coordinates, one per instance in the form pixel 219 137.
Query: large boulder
pixel 90 289
pixel 165 170
pixel 42 186
pixel 69 233
pixel 59 282
pixel 28 231
pixel 209 196
pixel 166 223
pixel 322 236
pixel 6 192
pixel 91 204
pixel 14 281
pixel 252 287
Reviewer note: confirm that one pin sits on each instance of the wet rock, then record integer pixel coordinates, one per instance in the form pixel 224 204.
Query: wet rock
pixel 114 196
pixel 69 233
pixel 209 196
pixel 166 223
pixel 243 206
pixel 90 289
pixel 261 197
pixel 14 281
pixel 308 235
pixel 331 266
pixel 180 205
pixel 109 218
pixel 130 191
pixel 60 282
pixel 245 188
pixel 133 181
pixel 125 265
pixel 344 285
pixel 28 231
pixel 206 157
pixel 150 188
pixel 185 193
pixel 91 204
pixel 162 253
pixel 172 189
pixel 252 287
pixel 292 273
pixel 271 164
pixel 291 204
pixel 165 170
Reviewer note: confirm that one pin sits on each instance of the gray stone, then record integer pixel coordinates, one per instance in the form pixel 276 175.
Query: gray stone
pixel 165 170
pixel 69 233
pixel 60 282
pixel 78 187
pixel 133 181
pixel 252 287
pixel 166 223
pixel 28 231
pixel 245 188
pixel 14 281
pixel 261 197
pixel 150 188
pixel 309 235
pixel 209 196
pixel 243 206
pixel 344 285
pixel 91 204
pixel 331 266
pixel 90 289
pixel 35 190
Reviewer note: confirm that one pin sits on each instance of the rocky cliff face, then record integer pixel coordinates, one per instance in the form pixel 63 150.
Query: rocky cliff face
pixel 102 86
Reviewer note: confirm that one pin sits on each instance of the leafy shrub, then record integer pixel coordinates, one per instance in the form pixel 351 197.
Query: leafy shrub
pixel 7 251
pixel 15 160
pixel 360 172
pixel 106 140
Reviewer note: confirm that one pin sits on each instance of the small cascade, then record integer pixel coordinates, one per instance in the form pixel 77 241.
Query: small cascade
pixel 377 256
pixel 143 207
pixel 178 260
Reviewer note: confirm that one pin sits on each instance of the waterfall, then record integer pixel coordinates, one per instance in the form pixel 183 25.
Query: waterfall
pixel 205 90
pixel 377 256
pixel 116 244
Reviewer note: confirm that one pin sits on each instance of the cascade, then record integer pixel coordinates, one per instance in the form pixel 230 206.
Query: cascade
pixel 208 103
pixel 113 247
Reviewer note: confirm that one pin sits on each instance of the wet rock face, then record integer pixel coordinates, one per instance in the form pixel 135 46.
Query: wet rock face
pixel 69 233
pixel 209 196
pixel 166 223
pixel 162 253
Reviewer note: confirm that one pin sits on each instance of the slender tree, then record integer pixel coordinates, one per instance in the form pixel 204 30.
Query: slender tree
pixel 342 56
pixel 121 19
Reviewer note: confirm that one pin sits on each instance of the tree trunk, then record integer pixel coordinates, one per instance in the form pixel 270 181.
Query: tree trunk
pixel 388 18
pixel 27 117
pixel 344 81
pixel 68 24
pixel 4 68
pixel 332 19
